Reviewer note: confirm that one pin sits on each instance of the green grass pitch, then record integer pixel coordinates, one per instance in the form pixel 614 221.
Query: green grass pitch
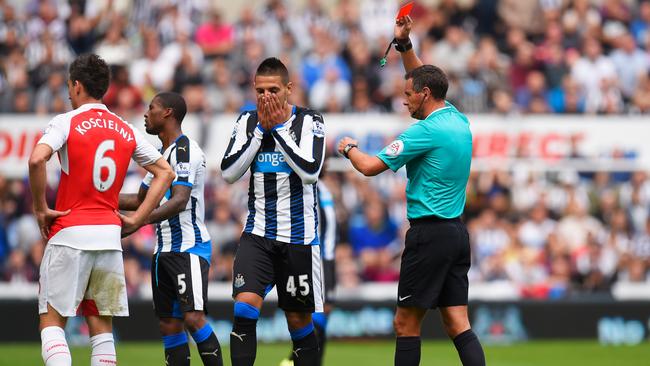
pixel 376 353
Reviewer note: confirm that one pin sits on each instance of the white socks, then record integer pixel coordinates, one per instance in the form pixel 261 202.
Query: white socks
pixel 103 350
pixel 54 347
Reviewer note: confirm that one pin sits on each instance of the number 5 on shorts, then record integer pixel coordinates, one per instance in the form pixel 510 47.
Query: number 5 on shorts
pixel 181 283
pixel 302 282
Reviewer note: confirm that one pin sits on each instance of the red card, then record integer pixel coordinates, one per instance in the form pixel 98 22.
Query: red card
pixel 405 10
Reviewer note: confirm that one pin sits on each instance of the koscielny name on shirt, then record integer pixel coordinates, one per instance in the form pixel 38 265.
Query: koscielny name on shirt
pixel 84 126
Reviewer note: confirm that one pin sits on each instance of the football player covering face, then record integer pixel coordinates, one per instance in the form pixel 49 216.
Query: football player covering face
pixel 273 93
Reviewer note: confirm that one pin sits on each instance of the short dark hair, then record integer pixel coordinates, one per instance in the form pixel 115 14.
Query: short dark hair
pixel 174 101
pixel 272 66
pixel 431 77
pixel 92 72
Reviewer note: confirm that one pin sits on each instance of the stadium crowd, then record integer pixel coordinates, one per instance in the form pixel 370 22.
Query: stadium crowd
pixel 550 234
pixel 503 56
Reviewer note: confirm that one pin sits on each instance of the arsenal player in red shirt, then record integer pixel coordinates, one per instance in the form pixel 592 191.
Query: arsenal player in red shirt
pixel 82 271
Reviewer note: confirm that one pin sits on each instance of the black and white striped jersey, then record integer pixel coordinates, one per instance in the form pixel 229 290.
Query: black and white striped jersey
pixel 284 165
pixel 327 220
pixel 185 232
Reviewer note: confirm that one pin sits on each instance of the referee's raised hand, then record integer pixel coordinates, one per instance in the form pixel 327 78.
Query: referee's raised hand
pixel 402 28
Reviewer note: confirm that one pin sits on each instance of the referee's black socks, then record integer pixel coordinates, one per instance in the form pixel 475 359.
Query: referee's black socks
pixel 469 349
pixel 407 351
pixel 208 345
pixel 305 346
pixel 243 338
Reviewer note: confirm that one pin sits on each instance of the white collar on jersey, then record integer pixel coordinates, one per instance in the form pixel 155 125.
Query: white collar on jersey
pixel 88 106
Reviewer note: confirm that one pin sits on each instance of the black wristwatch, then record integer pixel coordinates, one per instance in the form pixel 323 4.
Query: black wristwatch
pixel 403 45
pixel 347 149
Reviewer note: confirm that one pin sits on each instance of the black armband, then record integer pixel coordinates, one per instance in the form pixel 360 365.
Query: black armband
pixel 403 45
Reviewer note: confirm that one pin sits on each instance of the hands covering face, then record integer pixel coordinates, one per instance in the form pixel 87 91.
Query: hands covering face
pixel 270 110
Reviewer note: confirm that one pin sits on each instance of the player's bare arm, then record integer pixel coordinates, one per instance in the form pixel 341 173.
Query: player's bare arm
pixel 131 201
pixel 402 31
pixel 367 165
pixel 37 182
pixel 175 205
pixel 163 175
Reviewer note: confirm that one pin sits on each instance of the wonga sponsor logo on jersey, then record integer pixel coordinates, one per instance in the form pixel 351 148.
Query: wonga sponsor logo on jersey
pixel 271 162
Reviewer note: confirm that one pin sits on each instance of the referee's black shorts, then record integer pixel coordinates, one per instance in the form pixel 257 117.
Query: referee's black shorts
pixel 435 263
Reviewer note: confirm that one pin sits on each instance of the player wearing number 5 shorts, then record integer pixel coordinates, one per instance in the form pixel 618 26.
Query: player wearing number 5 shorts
pixel 282 146
pixel 179 272
pixel 82 271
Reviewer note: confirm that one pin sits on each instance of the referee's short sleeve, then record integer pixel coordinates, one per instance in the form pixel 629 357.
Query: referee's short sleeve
pixel 412 143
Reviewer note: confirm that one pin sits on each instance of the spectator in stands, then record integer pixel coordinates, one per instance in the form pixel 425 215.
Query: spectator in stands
pixel 52 98
pixel 174 25
pixel 631 64
pixel 582 18
pixel 535 88
pixel 473 88
pixel 121 96
pixel 115 48
pixel 148 72
pixel 372 236
pixel 454 52
pixel 490 240
pixel 225 231
pixel 534 231
pixel 641 25
pixel 523 64
pixel 18 269
pixel 576 227
pixel 641 98
pixel 522 14
pixel 616 10
pixel 45 57
pixel 377 18
pixel 215 37
pixel 182 50
pixel 223 94
pixel 330 93
pixel 324 56
pixel 361 102
pixel 503 103
pixel 593 72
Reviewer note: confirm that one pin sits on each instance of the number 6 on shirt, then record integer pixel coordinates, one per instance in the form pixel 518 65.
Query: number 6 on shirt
pixel 107 162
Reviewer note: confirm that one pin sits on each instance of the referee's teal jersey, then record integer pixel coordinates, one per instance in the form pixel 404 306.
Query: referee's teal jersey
pixel 437 152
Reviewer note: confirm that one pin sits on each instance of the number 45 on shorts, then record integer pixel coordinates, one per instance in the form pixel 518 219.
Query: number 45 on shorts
pixel 303 284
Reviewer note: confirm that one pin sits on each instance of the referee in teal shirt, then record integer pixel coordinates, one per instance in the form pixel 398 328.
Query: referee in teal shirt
pixel 437 152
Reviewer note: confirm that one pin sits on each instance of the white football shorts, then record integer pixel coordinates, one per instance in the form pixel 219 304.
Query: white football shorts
pixel 82 282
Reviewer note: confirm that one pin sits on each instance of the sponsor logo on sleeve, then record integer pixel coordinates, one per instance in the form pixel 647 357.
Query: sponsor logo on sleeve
pixel 395 148
pixel 318 128
pixel 183 170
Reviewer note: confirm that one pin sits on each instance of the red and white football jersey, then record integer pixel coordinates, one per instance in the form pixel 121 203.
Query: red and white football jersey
pixel 95 148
